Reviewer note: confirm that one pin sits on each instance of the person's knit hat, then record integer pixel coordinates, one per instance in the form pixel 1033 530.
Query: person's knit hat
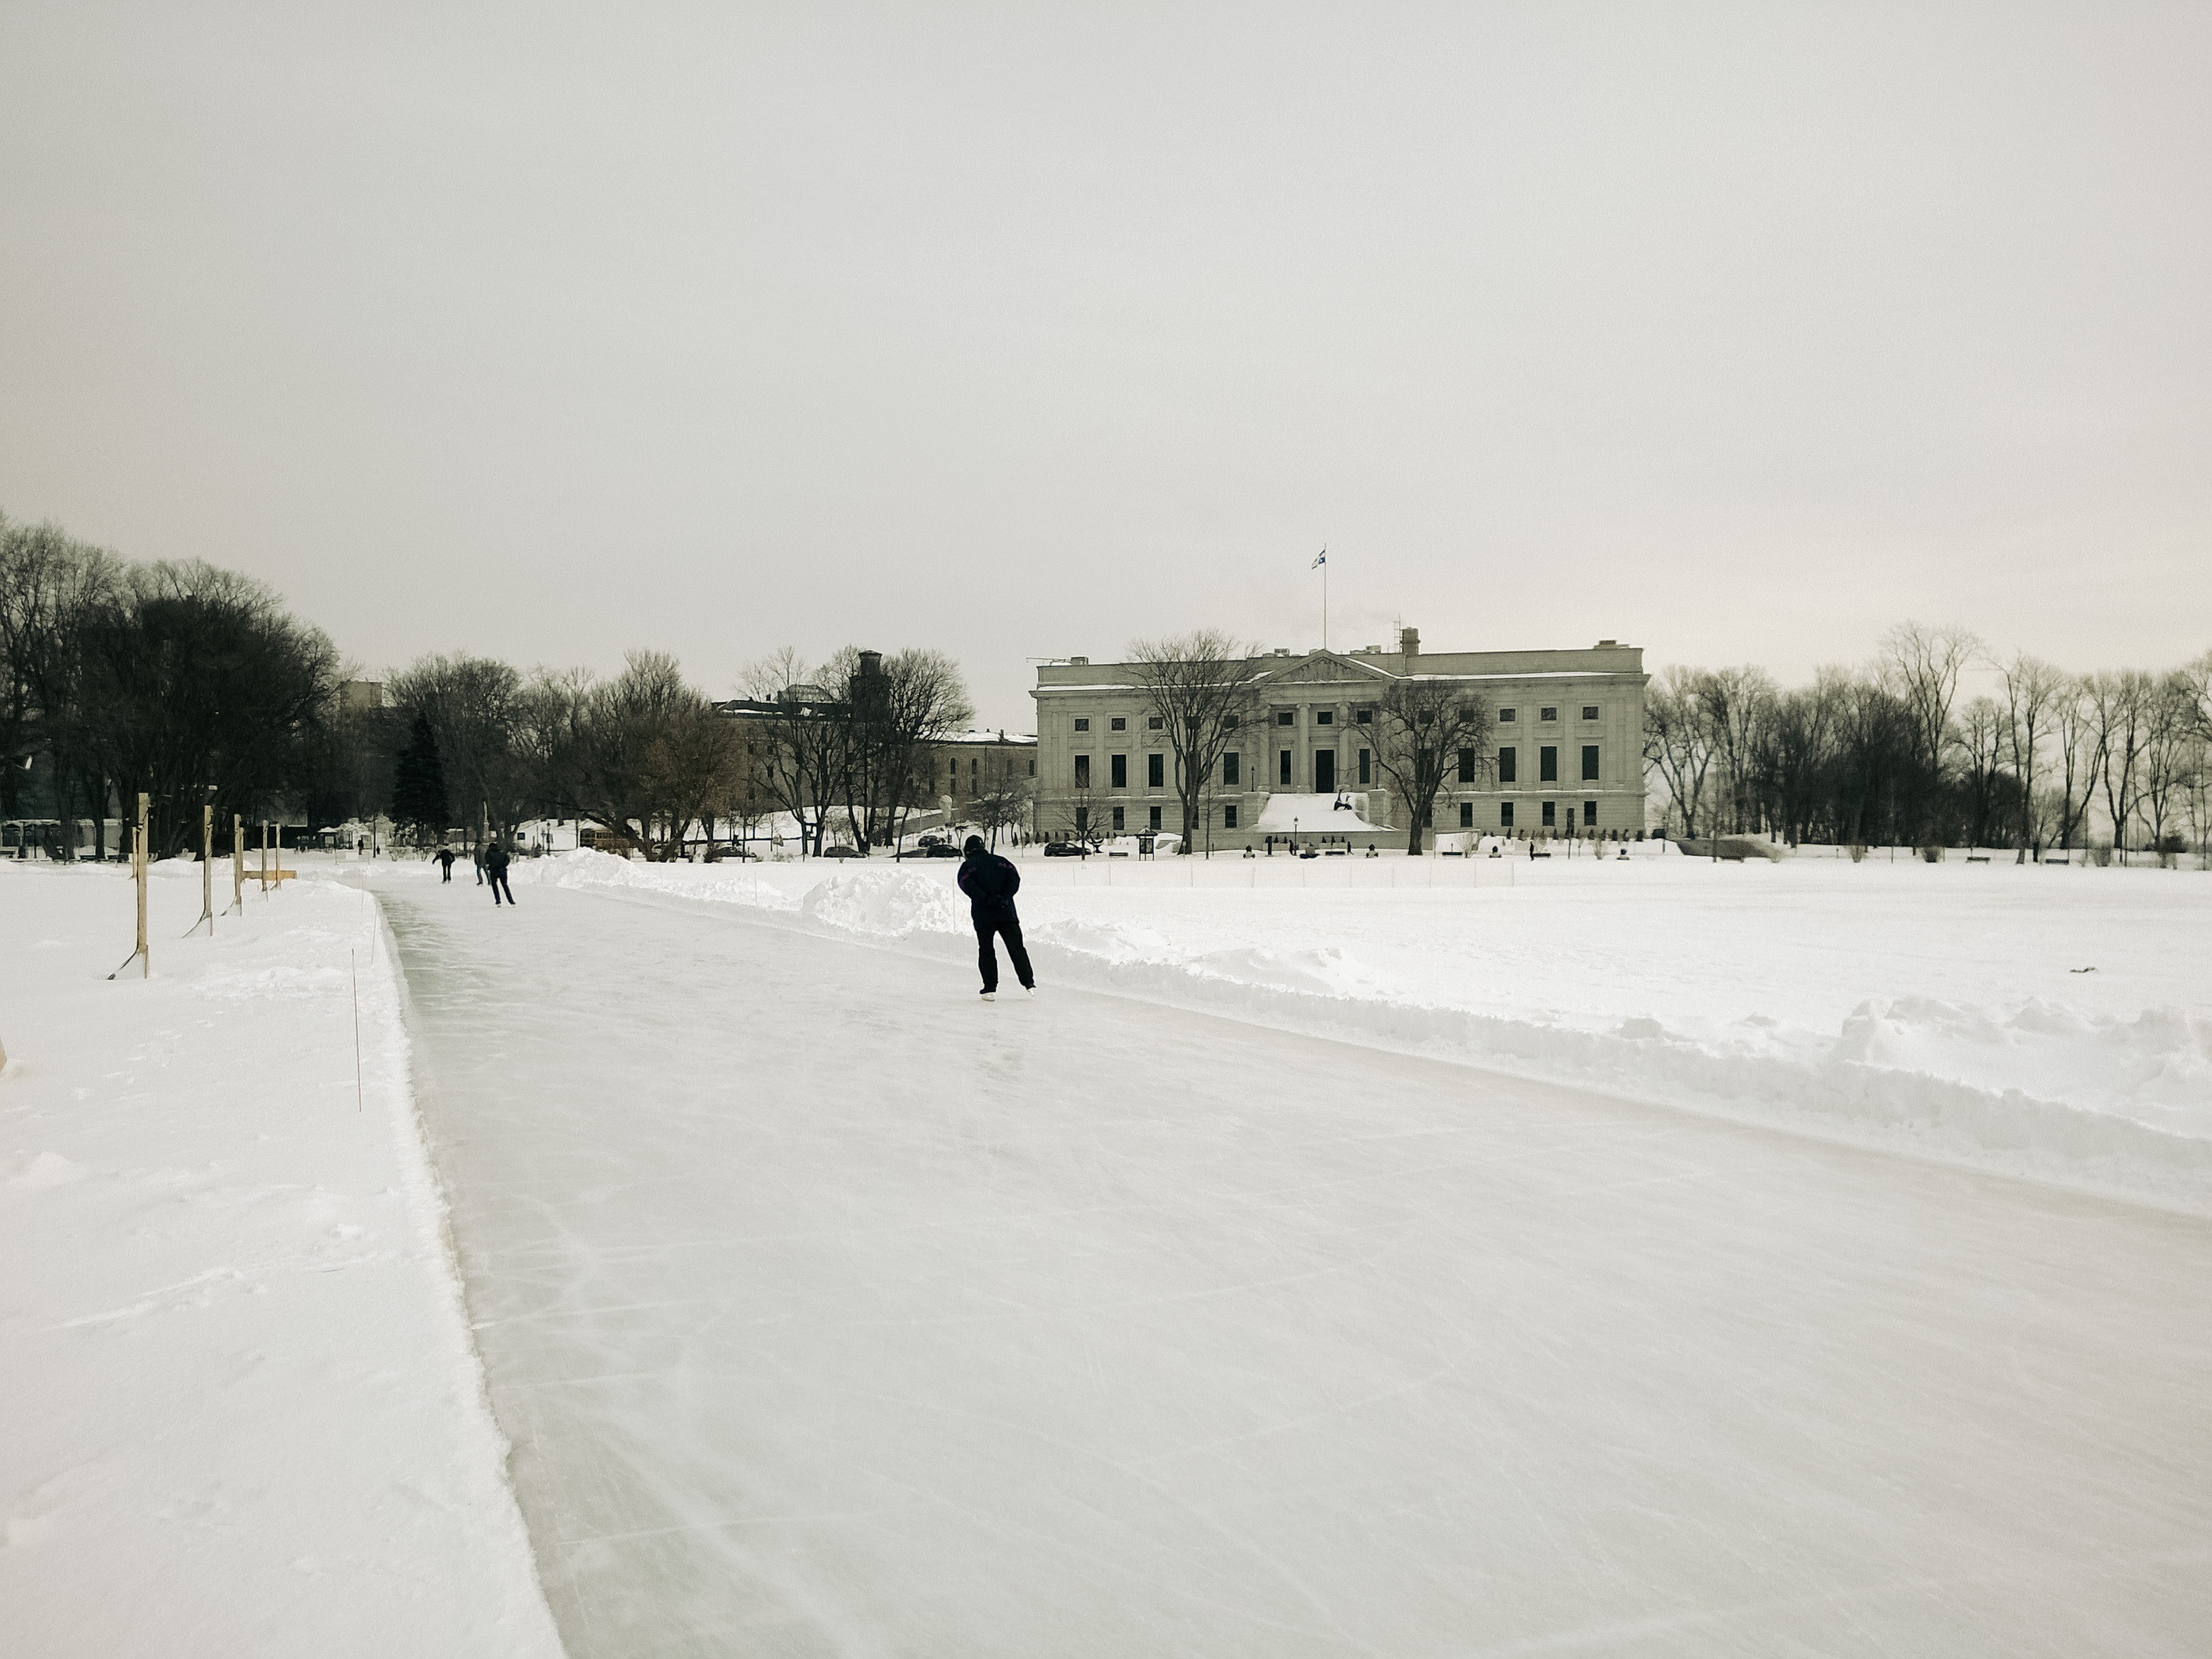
pixel 974 846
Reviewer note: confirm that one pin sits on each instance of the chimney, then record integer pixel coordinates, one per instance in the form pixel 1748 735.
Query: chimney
pixel 1409 641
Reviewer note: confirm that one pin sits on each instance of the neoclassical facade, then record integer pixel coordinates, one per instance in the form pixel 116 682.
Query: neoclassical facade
pixel 1566 755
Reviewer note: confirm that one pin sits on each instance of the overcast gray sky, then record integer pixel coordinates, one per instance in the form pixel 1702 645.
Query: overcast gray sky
pixel 1735 332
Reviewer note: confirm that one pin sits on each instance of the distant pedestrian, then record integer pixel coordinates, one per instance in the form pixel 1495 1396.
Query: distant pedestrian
pixel 445 857
pixel 991 882
pixel 495 864
pixel 477 858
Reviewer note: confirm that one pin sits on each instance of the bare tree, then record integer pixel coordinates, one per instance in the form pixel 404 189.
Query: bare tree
pixel 2122 706
pixel 2169 751
pixel 1002 805
pixel 2032 689
pixel 2079 754
pixel 1423 722
pixel 475 709
pixel 1677 740
pixel 1981 740
pixel 803 737
pixel 1201 686
pixel 1923 666
pixel 1735 704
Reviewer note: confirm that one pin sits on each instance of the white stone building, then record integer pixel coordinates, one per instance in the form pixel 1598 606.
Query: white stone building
pixel 1566 755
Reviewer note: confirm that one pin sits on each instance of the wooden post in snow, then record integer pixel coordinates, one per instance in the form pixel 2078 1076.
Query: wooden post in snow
pixel 238 861
pixel 207 870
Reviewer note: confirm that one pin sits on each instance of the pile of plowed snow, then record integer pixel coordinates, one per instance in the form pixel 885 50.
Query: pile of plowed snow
pixel 2050 1021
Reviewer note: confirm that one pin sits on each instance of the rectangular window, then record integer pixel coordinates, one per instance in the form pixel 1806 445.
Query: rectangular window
pixel 1082 724
pixel 1467 815
pixel 1156 817
pixel 1119 724
pixel 1547 713
pixel 1083 771
pixel 1551 814
pixel 1325 717
pixel 1032 765
pixel 1156 769
pixel 1228 818
pixel 1082 819
pixel 1229 723
pixel 1505 815
pixel 1119 768
pixel 1283 717
pixel 1231 764
pixel 1590 811
pixel 1366 717
pixel 1509 766
pixel 1118 826
pixel 1505 716
pixel 1466 766
pixel 1284 770
pixel 1153 723
pixel 1547 764
pixel 1590 711
pixel 1589 763
pixel 1366 767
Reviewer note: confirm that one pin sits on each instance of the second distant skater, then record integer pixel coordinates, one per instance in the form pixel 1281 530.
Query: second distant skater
pixel 991 882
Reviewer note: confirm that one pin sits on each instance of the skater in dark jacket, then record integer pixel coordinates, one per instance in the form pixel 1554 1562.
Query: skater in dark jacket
pixel 494 864
pixel 446 855
pixel 991 882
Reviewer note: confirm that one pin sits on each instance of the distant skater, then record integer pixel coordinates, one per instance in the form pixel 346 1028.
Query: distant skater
pixel 495 864
pixel 991 882
pixel 446 855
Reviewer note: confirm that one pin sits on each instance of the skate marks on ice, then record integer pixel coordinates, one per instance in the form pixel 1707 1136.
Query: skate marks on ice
pixel 827 1320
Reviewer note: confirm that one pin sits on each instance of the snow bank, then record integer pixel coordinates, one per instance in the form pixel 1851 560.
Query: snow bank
pixel 244 1414
pixel 2047 1023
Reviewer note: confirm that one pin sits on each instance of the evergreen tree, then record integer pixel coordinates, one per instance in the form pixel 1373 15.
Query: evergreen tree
pixel 419 799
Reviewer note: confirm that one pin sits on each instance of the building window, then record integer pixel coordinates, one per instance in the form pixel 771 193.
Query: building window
pixel 1547 764
pixel 1082 723
pixel 1155 766
pixel 1506 716
pixel 1366 767
pixel 1547 713
pixel 1229 723
pixel 1551 814
pixel 1283 717
pixel 1231 764
pixel 1082 819
pixel 1467 815
pixel 1505 815
pixel 1083 771
pixel 1590 711
pixel 1118 724
pixel 1119 769
pixel 1466 766
pixel 1228 818
pixel 1589 763
pixel 1590 813
pixel 1154 722
pixel 1509 766
pixel 1117 819
pixel 1365 717
pixel 1284 770
pixel 1156 817
pixel 1032 765
pixel 1325 717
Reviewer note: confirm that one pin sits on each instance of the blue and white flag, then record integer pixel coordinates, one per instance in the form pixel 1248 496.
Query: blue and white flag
pixel 1319 562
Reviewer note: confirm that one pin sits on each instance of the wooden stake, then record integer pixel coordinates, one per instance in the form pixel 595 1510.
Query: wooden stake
pixel 138 879
pixel 207 870
pixel 238 861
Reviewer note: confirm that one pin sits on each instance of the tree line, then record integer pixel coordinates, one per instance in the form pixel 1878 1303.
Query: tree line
pixel 1893 751
pixel 195 686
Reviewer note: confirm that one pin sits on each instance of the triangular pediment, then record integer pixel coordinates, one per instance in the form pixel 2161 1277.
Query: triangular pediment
pixel 1321 668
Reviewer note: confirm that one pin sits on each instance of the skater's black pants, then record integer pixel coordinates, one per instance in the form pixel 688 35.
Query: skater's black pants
pixel 987 959
pixel 499 885
pixel 449 873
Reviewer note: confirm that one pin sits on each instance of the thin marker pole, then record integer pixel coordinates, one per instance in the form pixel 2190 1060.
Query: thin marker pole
pixel 353 962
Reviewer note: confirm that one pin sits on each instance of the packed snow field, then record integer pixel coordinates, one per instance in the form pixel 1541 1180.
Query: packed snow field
pixel 832 1310
pixel 243 1413
pixel 2054 1021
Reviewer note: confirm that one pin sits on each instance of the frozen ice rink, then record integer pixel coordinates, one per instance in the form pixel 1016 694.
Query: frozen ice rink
pixel 832 1311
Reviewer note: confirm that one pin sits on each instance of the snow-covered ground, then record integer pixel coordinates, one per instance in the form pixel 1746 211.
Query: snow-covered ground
pixel 2054 1022
pixel 832 1310
pixel 243 1413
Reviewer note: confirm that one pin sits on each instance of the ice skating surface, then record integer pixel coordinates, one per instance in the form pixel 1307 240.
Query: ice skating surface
pixel 833 1311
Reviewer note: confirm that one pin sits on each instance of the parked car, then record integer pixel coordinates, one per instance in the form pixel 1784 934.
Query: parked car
pixel 935 849
pixel 1063 849
pixel 841 851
